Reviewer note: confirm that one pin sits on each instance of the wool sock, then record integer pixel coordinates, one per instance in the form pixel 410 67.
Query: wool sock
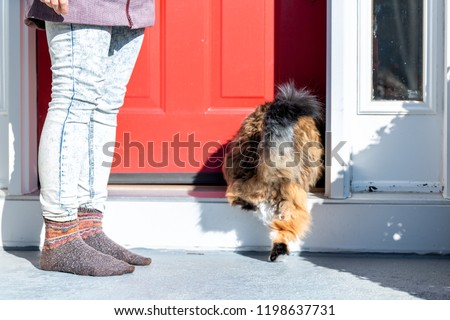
pixel 91 231
pixel 64 250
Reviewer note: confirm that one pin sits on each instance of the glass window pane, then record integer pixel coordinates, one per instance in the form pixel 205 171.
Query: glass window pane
pixel 397 50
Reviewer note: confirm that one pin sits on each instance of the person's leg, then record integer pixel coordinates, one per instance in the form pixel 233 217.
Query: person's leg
pixel 92 193
pixel 76 53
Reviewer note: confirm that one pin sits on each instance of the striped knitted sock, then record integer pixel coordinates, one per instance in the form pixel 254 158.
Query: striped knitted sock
pixel 92 233
pixel 65 251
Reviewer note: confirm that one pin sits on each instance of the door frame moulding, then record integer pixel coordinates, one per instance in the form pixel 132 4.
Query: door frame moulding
pixel 19 74
pixel 446 88
pixel 341 85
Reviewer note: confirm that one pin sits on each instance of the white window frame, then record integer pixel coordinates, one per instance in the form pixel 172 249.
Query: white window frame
pixel 430 75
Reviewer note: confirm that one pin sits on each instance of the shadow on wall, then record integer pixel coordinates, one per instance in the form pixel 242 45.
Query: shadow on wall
pixel 245 228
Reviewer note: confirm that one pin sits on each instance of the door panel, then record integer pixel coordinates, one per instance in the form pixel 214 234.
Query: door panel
pixel 241 50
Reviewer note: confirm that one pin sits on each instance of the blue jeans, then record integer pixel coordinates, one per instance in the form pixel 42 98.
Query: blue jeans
pixel 91 67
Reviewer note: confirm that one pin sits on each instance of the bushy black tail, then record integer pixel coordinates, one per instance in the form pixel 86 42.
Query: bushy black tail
pixel 290 104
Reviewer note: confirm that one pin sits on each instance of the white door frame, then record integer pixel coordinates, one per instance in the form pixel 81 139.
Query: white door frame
pixel 342 49
pixel 18 50
pixel 446 131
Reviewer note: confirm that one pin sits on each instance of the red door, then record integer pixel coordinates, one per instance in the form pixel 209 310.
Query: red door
pixel 203 67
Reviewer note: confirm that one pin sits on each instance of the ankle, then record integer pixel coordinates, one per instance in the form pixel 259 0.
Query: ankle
pixel 90 222
pixel 59 233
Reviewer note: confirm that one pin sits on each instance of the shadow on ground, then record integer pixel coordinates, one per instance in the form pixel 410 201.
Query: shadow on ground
pixel 425 277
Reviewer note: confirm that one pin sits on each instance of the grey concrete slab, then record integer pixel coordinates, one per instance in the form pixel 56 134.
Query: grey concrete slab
pixel 215 275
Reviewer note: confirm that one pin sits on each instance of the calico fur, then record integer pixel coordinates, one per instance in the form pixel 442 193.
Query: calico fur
pixel 274 159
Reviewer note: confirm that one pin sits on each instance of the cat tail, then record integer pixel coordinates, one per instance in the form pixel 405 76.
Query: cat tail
pixel 278 130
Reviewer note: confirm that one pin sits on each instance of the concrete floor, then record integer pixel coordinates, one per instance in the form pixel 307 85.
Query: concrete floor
pixel 215 275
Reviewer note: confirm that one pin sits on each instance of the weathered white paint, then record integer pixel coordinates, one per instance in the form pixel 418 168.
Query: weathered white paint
pixel 397 186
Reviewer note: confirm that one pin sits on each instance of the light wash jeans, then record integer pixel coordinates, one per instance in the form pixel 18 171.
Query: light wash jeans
pixel 91 67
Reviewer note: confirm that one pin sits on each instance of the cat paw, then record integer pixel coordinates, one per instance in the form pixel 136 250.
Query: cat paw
pixel 279 252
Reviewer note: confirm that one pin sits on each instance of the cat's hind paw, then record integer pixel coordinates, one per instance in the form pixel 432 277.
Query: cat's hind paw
pixel 279 252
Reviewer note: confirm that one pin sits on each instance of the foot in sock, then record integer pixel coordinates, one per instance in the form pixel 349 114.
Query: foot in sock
pixel 65 251
pixel 92 233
